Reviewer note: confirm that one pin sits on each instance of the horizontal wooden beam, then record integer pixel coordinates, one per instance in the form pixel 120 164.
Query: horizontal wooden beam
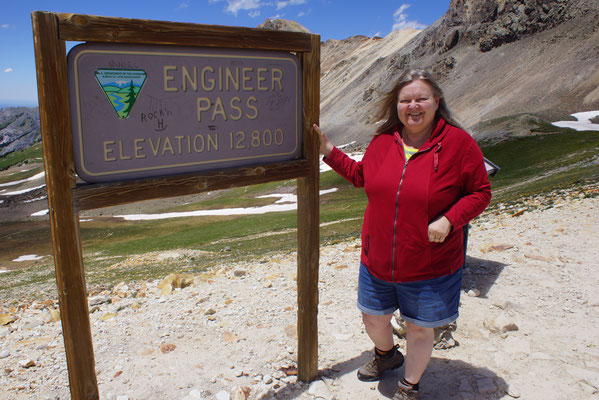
pixel 80 27
pixel 92 196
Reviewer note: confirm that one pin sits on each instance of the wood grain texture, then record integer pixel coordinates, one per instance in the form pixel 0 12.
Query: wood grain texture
pixel 308 220
pixel 91 196
pixel 60 179
pixel 79 27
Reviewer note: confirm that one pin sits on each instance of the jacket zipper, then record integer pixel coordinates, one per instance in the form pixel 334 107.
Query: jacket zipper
pixel 395 220
pixel 436 166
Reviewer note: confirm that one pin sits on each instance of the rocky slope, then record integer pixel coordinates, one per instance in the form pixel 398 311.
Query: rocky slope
pixel 492 58
pixel 19 128
pixel 283 25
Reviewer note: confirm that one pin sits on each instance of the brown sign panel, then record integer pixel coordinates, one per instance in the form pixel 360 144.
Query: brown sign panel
pixel 148 110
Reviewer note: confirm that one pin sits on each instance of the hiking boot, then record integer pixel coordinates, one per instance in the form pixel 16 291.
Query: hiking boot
pixel 374 369
pixel 404 392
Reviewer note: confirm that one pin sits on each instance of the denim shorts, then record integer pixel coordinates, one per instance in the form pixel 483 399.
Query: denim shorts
pixel 430 303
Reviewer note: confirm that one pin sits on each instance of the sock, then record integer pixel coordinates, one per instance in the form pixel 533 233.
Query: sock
pixel 408 384
pixel 384 353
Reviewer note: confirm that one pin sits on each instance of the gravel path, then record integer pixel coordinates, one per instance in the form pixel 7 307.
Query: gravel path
pixel 528 325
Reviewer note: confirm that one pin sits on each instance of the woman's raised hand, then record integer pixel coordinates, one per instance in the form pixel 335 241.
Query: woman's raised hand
pixel 325 144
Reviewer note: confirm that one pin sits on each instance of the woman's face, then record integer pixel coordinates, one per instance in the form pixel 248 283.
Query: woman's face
pixel 416 106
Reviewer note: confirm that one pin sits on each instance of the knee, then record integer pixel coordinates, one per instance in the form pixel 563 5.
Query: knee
pixel 418 332
pixel 376 322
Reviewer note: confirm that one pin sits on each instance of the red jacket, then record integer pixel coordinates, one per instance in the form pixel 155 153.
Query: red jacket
pixel 447 176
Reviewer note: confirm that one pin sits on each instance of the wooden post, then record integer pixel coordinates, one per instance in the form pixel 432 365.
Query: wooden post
pixel 60 180
pixel 308 219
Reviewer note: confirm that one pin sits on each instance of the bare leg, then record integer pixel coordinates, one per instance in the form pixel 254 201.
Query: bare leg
pixel 380 330
pixel 419 348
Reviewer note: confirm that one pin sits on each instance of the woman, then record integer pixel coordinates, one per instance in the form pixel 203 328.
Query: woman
pixel 425 179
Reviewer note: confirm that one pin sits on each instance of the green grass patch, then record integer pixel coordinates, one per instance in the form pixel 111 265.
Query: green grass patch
pixel 538 158
pixel 21 175
pixel 31 154
pixel 240 197
pixel 542 162
pixel 223 239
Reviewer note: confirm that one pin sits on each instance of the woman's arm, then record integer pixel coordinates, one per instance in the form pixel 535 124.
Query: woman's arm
pixel 476 188
pixel 340 162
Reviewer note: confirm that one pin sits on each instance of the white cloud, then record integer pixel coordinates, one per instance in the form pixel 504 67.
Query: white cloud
pixel 4 26
pixel 301 14
pixel 183 5
pixel 401 19
pixel 8 70
pixel 282 4
pixel 254 14
pixel 377 34
pixel 233 6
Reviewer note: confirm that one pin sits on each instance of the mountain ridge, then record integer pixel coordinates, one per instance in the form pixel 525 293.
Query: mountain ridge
pixel 19 128
pixel 493 59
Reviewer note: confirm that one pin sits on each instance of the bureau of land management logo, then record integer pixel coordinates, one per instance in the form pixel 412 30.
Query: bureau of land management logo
pixel 121 86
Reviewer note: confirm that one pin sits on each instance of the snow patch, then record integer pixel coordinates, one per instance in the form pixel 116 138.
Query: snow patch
pixel 354 156
pixel 33 178
pixel 36 199
pixel 29 257
pixel 40 213
pixel 286 202
pixel 583 124
pixel 345 145
pixel 16 192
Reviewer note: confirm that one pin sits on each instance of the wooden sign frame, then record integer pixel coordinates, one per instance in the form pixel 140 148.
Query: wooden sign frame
pixel 66 198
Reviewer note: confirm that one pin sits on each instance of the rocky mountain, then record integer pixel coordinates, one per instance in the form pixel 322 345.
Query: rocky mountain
pixel 19 128
pixel 283 25
pixel 493 58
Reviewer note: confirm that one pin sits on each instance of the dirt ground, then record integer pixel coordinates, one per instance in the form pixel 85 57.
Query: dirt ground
pixel 528 323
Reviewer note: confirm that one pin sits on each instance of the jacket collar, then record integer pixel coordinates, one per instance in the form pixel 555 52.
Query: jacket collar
pixel 438 134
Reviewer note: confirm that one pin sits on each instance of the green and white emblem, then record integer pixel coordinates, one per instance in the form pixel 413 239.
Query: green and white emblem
pixel 121 86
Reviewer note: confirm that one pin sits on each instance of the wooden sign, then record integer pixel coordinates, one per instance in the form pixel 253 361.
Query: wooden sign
pixel 124 89
pixel 141 110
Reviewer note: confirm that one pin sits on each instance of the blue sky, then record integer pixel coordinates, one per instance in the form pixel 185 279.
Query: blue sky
pixel 332 19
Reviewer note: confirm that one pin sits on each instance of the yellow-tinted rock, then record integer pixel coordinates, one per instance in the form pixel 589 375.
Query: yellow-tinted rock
pixel 54 315
pixel 175 281
pixel 6 319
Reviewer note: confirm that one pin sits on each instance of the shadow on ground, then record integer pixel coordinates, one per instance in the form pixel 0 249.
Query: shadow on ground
pixel 451 379
pixel 444 379
pixel 335 371
pixel 481 274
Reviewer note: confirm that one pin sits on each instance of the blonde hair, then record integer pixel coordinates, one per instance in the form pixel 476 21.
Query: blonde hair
pixel 387 107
